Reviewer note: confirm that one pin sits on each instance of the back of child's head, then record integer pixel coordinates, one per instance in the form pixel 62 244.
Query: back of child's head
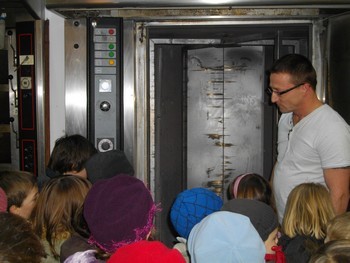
pixel 17 185
pixel 251 186
pixel 225 237
pixel 70 154
pixel 308 210
pixel 335 251
pixel 339 227
pixel 18 242
pixel 57 205
pixel 119 211
pixel 105 165
pixel 191 206
pixel 262 216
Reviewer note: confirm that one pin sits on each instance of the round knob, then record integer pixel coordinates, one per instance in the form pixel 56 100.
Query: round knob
pixel 105 106
pixel 105 146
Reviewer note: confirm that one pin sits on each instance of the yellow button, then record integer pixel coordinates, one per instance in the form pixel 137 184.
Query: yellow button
pixel 111 62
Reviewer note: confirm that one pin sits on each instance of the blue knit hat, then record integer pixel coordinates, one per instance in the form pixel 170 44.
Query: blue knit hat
pixel 225 237
pixel 191 206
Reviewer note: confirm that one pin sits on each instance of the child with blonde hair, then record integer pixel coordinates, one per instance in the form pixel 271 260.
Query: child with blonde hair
pixel 335 251
pixel 339 227
pixel 308 210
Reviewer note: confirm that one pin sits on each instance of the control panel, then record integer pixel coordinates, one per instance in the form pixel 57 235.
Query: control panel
pixel 105 55
pixel 26 96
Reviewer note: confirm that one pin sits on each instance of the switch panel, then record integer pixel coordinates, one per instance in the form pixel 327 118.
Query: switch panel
pixel 105 82
pixel 27 108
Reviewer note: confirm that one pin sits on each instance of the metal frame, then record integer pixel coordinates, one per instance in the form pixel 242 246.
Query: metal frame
pixel 144 85
pixel 40 95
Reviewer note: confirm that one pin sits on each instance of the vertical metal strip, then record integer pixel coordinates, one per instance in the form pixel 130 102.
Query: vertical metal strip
pixel 128 89
pixel 40 102
pixel 76 76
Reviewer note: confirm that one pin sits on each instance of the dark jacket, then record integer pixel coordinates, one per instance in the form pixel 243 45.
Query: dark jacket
pixel 299 248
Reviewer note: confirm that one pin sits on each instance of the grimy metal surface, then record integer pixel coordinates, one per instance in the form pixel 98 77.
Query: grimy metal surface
pixel 193 3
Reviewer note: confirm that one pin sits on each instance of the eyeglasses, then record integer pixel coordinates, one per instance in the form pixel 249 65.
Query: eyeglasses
pixel 280 93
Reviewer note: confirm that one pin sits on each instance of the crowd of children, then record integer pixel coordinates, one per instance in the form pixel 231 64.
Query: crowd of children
pixel 106 214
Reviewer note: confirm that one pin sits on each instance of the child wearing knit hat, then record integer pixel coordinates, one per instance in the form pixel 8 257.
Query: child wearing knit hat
pixel 265 221
pixel 146 252
pixel 105 165
pixel 188 209
pixel 225 237
pixel 119 211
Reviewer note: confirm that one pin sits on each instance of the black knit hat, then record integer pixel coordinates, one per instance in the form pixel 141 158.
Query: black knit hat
pixel 105 165
pixel 261 215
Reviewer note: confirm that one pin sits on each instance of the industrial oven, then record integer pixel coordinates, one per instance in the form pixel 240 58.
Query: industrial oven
pixel 180 85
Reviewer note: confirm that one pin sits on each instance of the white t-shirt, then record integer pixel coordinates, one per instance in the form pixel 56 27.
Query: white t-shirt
pixel 319 141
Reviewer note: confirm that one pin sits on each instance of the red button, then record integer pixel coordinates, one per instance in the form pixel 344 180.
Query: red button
pixel 111 31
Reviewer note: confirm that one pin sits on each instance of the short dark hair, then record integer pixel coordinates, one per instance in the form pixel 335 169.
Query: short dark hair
pixel 70 153
pixel 298 66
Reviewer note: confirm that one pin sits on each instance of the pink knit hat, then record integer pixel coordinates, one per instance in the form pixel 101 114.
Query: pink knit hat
pixel 119 211
pixel 3 201
pixel 146 251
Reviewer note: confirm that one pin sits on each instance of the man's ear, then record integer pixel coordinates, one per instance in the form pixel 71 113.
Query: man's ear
pixel 307 87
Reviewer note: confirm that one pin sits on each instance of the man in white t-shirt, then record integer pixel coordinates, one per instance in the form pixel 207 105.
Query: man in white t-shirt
pixel 313 139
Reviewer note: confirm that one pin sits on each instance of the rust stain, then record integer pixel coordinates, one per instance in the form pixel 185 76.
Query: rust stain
pixel 214 136
pixel 221 144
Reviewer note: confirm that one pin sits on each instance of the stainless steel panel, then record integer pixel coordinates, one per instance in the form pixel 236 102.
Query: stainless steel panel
pixel 128 88
pixel 141 149
pixel 76 76
pixel 224 115
pixel 40 102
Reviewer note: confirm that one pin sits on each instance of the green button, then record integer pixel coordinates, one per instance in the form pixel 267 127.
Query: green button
pixel 111 54
pixel 111 46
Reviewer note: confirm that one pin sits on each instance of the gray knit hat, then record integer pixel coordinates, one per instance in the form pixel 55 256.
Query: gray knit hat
pixel 105 165
pixel 262 216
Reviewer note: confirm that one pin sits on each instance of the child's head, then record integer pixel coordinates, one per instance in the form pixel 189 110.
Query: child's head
pixel 308 211
pixel 18 242
pixel 70 154
pixel 57 205
pixel 262 216
pixel 225 237
pixel 335 251
pixel 104 165
pixel 251 186
pixel 21 190
pixel 119 211
pixel 191 206
pixel 339 227
pixel 146 251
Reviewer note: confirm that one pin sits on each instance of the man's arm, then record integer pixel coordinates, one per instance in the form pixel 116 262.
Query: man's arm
pixel 337 180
